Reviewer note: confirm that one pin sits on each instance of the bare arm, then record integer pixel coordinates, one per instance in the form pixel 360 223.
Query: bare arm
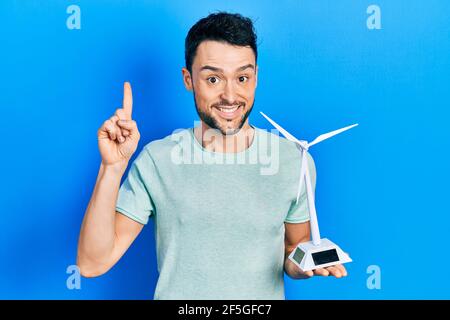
pixel 295 233
pixel 105 234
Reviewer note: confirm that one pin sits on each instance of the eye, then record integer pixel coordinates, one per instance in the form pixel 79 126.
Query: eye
pixel 243 78
pixel 213 80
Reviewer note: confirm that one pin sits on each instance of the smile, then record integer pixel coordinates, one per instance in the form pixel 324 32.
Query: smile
pixel 229 113
pixel 228 110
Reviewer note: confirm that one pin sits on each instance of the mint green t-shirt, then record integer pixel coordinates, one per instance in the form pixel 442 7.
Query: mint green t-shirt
pixel 218 217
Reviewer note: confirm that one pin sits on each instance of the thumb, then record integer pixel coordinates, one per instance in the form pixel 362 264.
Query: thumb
pixel 128 124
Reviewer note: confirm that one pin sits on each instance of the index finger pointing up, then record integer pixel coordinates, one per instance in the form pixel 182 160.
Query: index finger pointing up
pixel 127 100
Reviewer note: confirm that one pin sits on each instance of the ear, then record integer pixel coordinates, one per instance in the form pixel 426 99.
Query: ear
pixel 256 76
pixel 187 79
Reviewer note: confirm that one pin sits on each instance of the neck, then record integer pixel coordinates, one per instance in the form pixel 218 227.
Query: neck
pixel 215 141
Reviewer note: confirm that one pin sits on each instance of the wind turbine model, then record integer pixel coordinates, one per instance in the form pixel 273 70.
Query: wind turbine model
pixel 318 253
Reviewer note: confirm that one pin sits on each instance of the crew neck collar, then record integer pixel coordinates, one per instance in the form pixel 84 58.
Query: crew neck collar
pixel 245 151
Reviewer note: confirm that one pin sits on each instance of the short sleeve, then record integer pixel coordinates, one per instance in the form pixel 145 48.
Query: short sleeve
pixel 134 200
pixel 299 212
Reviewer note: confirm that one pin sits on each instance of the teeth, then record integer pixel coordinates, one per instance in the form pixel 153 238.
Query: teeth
pixel 228 110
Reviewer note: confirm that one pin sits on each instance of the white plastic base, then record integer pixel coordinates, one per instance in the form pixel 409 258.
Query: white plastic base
pixel 308 256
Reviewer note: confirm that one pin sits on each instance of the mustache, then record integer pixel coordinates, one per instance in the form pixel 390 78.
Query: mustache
pixel 227 103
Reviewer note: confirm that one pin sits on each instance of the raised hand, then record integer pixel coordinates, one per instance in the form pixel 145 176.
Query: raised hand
pixel 118 137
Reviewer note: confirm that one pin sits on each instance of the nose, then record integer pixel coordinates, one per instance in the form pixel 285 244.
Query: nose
pixel 229 92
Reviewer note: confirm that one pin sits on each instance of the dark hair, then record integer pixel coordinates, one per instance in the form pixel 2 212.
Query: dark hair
pixel 231 28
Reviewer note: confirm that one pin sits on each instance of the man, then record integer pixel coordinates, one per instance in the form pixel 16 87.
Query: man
pixel 223 229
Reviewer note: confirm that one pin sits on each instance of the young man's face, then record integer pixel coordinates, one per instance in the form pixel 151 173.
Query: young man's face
pixel 224 79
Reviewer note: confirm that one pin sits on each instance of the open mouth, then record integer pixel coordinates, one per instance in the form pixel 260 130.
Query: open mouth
pixel 229 112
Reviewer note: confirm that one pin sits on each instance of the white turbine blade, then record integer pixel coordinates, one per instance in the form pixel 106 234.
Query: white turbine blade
pixel 284 132
pixel 330 134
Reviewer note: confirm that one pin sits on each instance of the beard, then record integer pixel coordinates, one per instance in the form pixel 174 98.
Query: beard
pixel 214 123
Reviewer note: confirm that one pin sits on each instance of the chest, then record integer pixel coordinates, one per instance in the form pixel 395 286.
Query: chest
pixel 224 200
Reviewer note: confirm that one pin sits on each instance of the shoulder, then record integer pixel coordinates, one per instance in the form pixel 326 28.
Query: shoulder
pixel 288 151
pixel 163 147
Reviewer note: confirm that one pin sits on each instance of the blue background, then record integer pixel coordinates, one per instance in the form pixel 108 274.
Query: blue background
pixel 382 189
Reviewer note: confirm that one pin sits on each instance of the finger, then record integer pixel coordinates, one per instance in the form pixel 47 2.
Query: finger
pixel 120 137
pixel 342 269
pixel 118 132
pixel 305 273
pixel 334 272
pixel 109 127
pixel 114 119
pixel 120 115
pixel 103 132
pixel 321 272
pixel 128 125
pixel 127 100
pixel 308 273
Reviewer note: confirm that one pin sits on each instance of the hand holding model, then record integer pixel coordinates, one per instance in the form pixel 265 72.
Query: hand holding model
pixel 295 272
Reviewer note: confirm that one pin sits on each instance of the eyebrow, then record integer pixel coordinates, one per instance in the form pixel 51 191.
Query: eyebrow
pixel 206 67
